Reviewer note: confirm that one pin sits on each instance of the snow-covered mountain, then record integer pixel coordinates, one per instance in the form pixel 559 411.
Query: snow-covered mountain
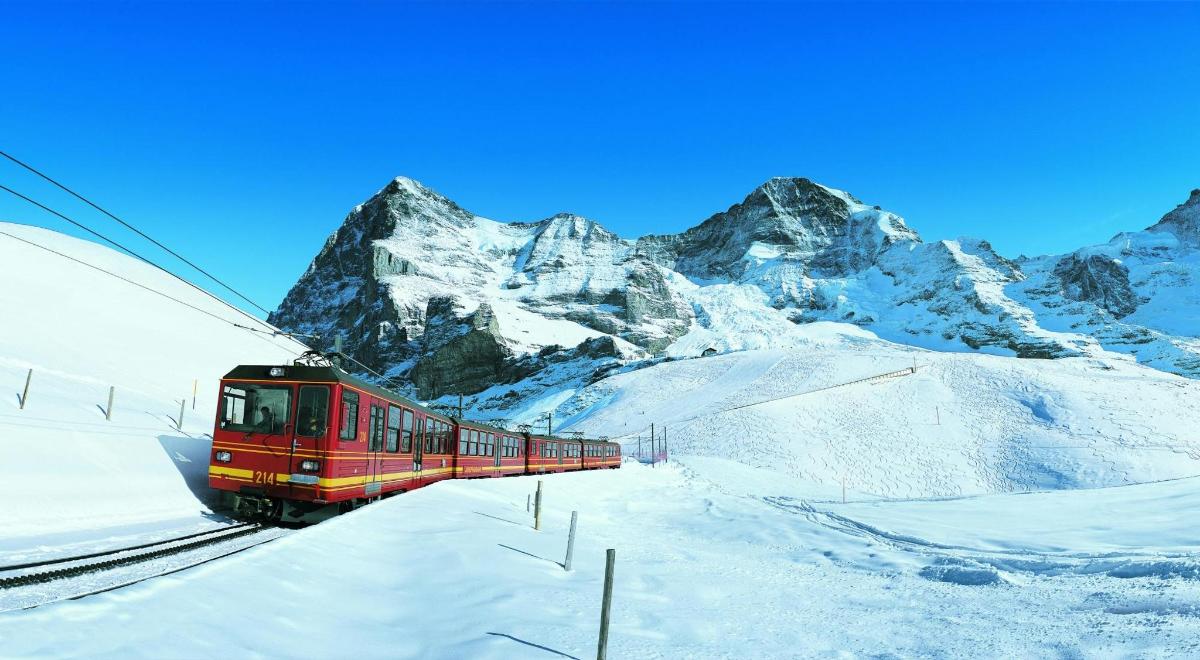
pixel 454 303
pixel 752 497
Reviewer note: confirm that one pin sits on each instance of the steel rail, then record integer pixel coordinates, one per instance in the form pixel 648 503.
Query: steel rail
pixel 213 537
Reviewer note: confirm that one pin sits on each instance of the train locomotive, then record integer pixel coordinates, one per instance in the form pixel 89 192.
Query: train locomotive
pixel 306 442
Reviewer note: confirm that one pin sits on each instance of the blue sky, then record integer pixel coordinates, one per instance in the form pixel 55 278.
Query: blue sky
pixel 242 133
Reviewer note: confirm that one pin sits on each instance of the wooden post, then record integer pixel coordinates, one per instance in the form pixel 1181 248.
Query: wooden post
pixel 179 423
pixel 550 423
pixel 571 540
pixel 639 447
pixel 108 411
pixel 25 394
pixel 195 386
pixel 939 415
pixel 537 507
pixel 666 456
pixel 528 500
pixel 606 603
pixel 460 406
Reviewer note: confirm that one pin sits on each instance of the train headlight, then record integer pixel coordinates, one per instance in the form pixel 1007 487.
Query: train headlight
pixel 277 372
pixel 310 466
pixel 224 456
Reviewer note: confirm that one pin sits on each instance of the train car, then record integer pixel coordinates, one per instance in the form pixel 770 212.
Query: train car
pixel 572 454
pixel 306 442
pixel 290 441
pixel 487 451
pixel 593 454
pixel 550 454
pixel 598 454
pixel 610 455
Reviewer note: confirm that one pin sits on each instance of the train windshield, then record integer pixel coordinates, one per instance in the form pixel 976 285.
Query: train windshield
pixel 254 408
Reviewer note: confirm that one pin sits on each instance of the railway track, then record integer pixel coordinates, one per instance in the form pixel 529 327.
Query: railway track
pixel 31 584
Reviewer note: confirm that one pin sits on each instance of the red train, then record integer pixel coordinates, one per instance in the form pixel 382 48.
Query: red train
pixel 306 442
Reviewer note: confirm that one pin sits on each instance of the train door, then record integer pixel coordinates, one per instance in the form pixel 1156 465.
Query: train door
pixel 375 451
pixel 560 449
pixel 419 447
pixel 499 447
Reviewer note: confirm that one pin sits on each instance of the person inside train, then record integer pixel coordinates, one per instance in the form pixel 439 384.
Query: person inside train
pixel 265 424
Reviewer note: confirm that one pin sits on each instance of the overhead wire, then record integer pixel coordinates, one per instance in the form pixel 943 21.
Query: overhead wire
pixel 258 331
pixel 132 228
pixel 270 329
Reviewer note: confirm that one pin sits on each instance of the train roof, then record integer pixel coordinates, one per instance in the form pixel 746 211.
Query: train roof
pixel 486 427
pixel 313 374
pixel 318 374
pixel 554 437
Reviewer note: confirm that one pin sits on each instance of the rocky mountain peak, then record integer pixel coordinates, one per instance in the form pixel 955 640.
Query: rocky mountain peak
pixel 571 226
pixel 823 230
pixel 1183 221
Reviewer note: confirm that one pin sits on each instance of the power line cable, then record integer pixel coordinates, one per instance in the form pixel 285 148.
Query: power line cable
pixel 139 232
pixel 258 332
pixel 271 329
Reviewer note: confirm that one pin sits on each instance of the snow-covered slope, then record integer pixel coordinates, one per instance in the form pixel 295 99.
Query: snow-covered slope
pixel 961 424
pixel 422 288
pixel 82 331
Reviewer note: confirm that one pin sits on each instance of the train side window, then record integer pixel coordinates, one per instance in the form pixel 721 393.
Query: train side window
pixel 312 420
pixel 393 429
pixel 463 435
pixel 349 428
pixel 406 433
pixel 428 426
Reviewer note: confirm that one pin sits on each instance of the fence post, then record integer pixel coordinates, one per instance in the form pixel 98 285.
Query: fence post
pixel 182 403
pixel 25 394
pixel 571 541
pixel 195 386
pixel 528 499
pixel 537 507
pixel 666 456
pixel 606 603
pixel 108 411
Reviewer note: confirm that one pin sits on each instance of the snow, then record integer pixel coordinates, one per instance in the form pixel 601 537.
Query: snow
pixel 740 547
pixel 82 331
pixel 701 572
pixel 962 424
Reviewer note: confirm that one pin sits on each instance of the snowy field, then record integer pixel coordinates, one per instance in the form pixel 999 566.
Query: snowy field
pixel 961 424
pixel 703 571
pixel 740 547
